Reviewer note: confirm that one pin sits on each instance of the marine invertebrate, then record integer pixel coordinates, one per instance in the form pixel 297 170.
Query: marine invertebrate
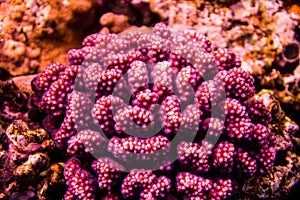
pixel 151 96
pixel 152 187
pixel 79 181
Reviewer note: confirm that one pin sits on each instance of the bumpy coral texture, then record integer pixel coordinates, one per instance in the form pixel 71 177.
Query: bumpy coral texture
pixel 142 92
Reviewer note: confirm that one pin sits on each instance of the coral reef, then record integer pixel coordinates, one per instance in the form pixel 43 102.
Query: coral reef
pixel 265 34
pixel 26 170
pixel 106 85
pixel 149 113
pixel 79 181
pixel 277 182
pixel 25 163
pixel 255 30
pixel 36 33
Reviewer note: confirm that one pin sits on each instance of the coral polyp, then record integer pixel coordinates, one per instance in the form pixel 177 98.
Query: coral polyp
pixel 151 114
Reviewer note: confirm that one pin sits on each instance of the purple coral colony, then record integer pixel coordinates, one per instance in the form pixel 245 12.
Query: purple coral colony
pixel 101 132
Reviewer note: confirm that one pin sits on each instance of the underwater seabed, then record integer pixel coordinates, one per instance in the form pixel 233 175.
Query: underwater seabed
pixel 214 86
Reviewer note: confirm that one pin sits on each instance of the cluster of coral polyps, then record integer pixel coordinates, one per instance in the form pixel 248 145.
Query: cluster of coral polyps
pixel 143 96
